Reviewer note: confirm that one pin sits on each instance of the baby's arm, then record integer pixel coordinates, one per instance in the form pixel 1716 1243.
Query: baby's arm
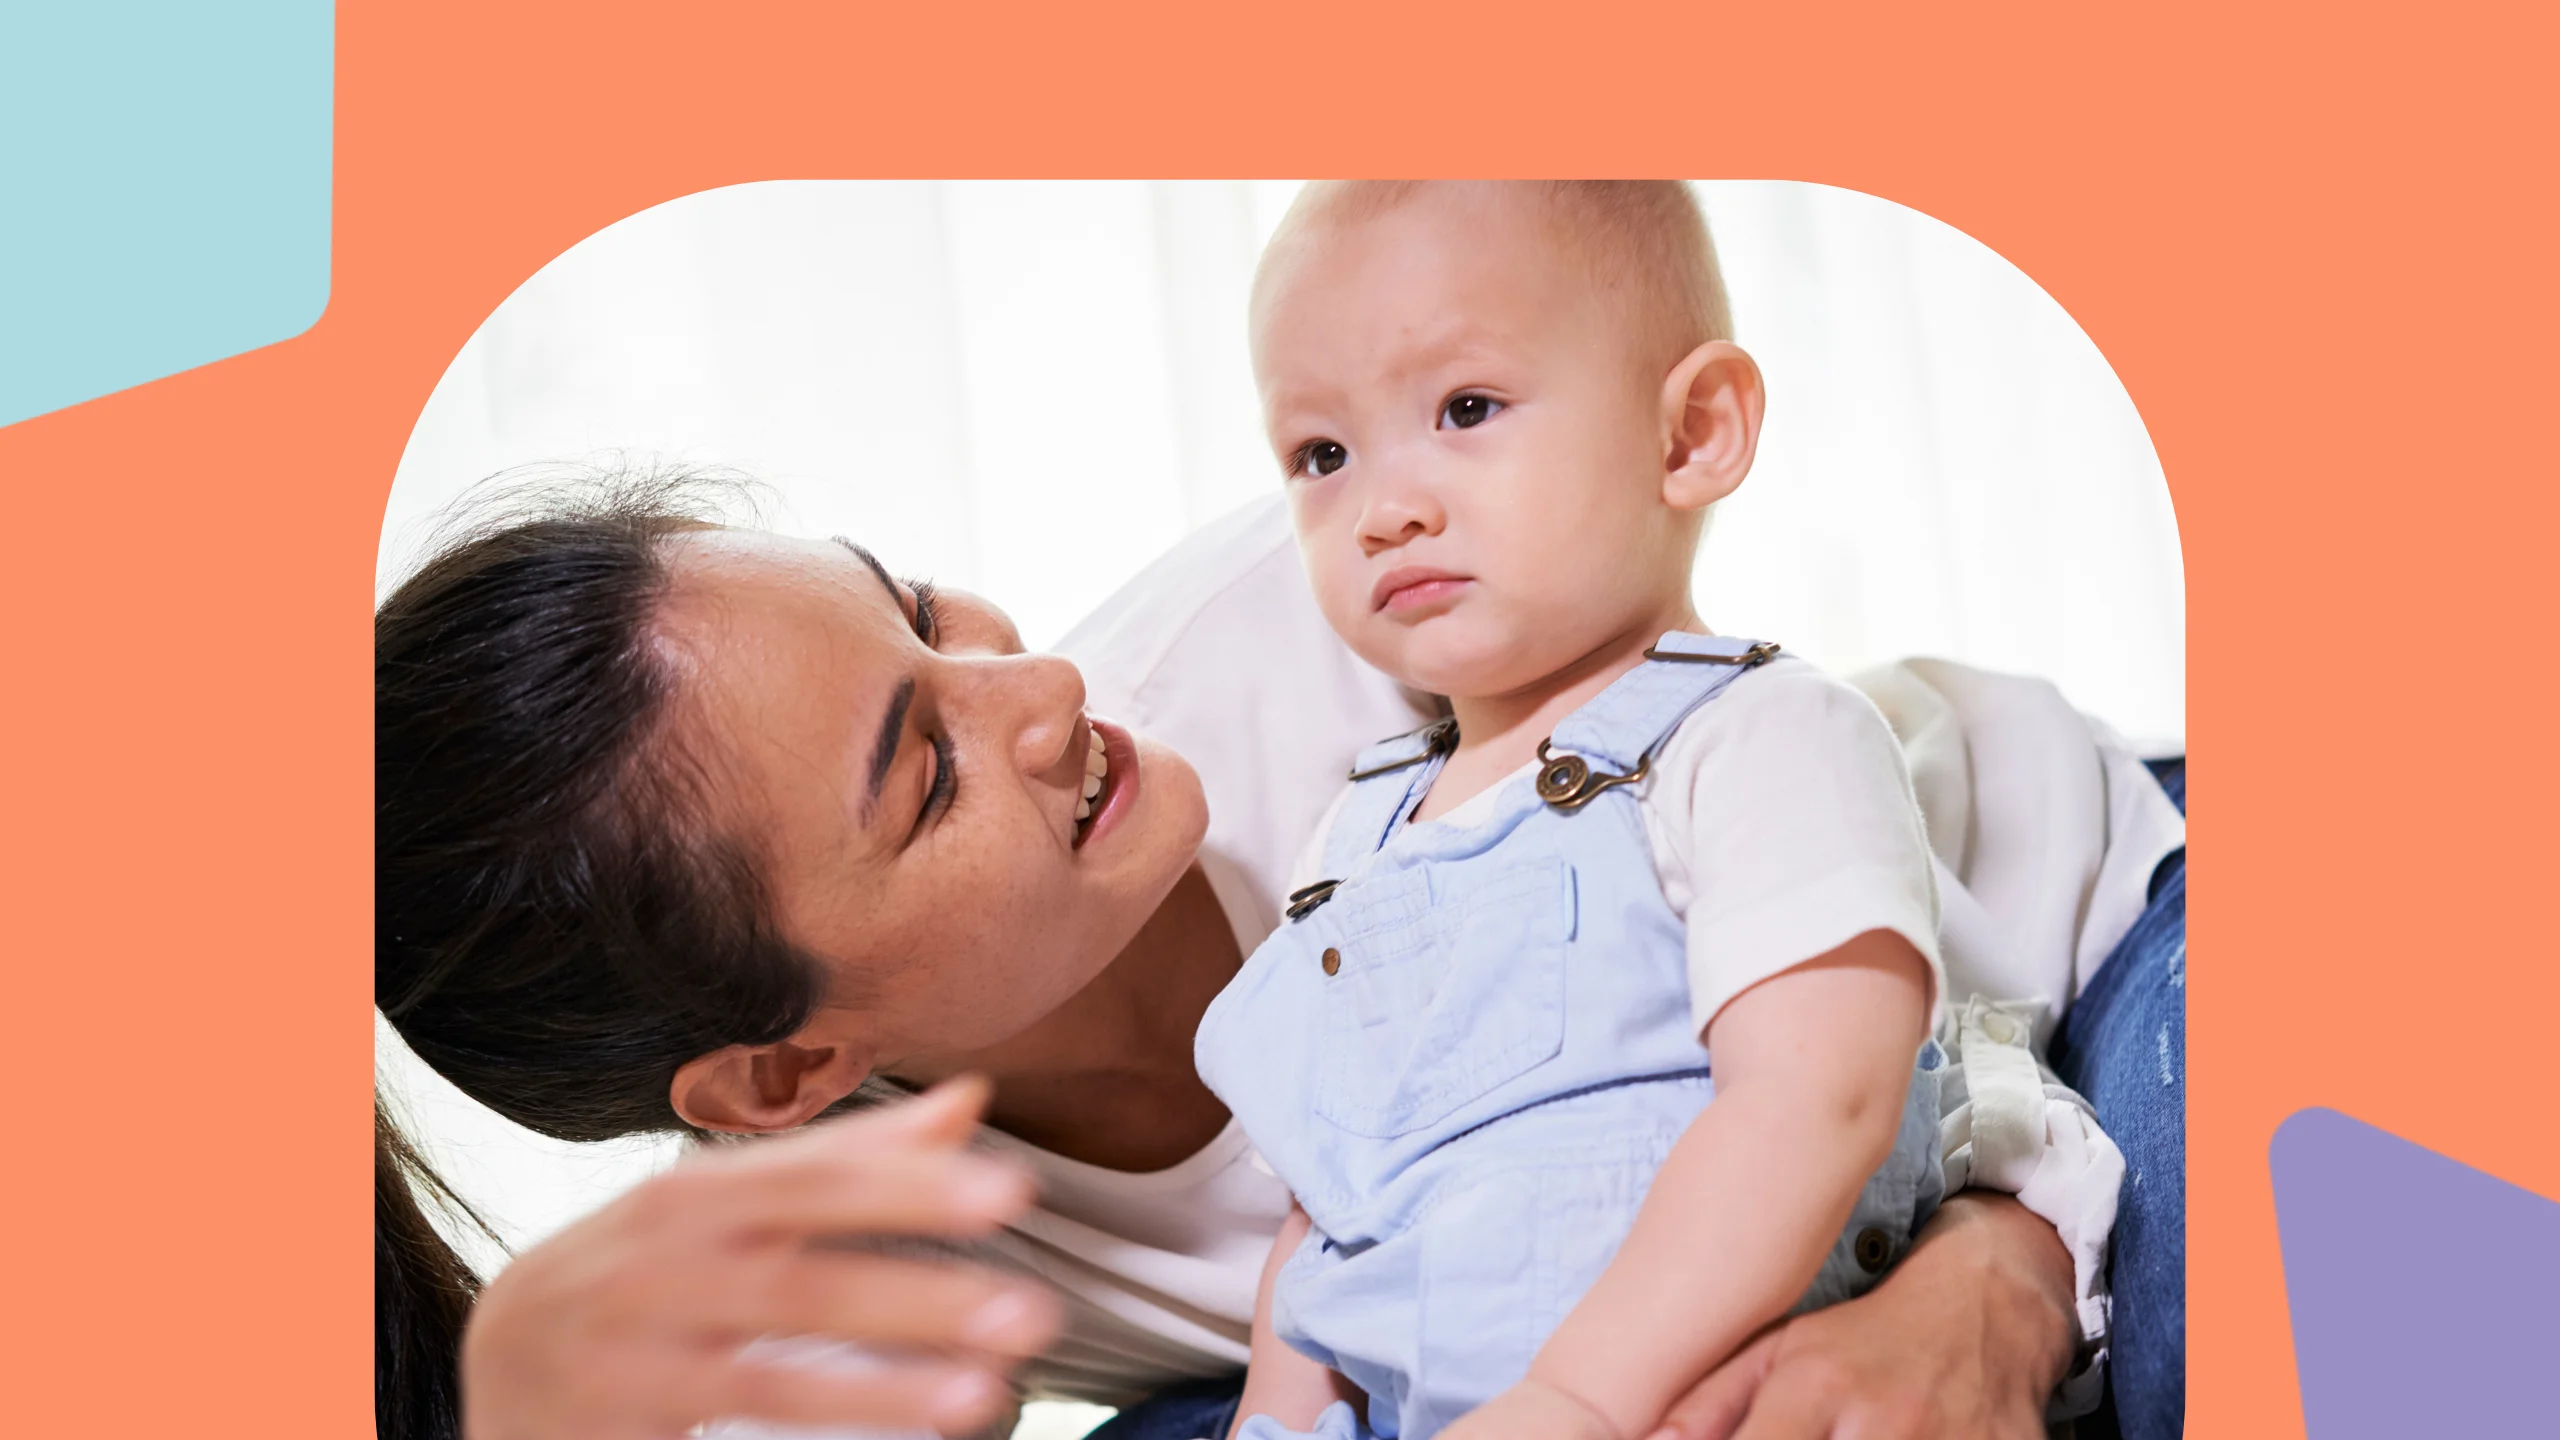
pixel 1812 1070
pixel 1278 1381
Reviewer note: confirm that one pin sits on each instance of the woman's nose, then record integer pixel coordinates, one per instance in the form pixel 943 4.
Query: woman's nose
pixel 1046 701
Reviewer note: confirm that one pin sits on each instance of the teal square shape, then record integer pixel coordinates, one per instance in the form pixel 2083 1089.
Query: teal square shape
pixel 164 188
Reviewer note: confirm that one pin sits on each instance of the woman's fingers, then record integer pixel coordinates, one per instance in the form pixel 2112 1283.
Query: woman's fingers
pixel 632 1320
pixel 947 1396
pixel 880 1300
pixel 840 1189
pixel 941 1119
pixel 900 1170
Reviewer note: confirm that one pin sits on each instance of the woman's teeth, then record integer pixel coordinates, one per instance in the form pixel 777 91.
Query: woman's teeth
pixel 1097 763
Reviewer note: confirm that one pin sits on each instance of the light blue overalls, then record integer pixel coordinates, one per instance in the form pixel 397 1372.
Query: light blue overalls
pixel 1469 1056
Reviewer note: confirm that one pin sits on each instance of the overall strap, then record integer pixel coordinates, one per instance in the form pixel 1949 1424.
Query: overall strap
pixel 1385 780
pixel 1622 725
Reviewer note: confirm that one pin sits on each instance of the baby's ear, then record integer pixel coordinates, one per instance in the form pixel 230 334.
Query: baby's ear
pixel 1711 406
pixel 752 1089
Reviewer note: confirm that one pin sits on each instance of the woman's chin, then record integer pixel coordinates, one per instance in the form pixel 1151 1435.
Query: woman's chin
pixel 1172 815
pixel 1193 802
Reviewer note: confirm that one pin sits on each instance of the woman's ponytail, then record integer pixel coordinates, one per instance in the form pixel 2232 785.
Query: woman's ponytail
pixel 422 1292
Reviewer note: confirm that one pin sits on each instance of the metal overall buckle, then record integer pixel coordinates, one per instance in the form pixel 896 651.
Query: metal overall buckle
pixel 1302 903
pixel 1758 654
pixel 1568 782
pixel 1438 738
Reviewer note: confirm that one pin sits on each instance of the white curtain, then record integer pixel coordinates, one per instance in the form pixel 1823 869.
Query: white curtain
pixel 1030 389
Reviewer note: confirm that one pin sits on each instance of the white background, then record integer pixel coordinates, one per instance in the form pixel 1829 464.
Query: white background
pixel 1030 389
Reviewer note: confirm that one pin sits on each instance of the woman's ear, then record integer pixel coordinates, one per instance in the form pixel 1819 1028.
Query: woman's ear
pixel 751 1089
pixel 1711 406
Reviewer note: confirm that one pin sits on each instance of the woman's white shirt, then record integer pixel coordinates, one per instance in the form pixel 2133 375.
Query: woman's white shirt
pixel 1158 1270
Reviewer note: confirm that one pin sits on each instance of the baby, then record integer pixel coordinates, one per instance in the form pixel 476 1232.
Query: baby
pixel 1479 1049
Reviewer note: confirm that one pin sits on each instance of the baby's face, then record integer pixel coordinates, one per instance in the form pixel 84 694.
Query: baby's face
pixel 1474 450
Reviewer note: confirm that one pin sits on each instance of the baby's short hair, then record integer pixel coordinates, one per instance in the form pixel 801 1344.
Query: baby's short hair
pixel 1646 239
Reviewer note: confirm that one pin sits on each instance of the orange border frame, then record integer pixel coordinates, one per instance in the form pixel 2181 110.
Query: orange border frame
pixel 2315 249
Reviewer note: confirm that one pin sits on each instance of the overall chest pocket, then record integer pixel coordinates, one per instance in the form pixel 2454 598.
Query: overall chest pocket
pixel 1433 1008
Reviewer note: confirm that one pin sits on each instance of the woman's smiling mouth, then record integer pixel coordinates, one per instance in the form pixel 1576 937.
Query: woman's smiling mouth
pixel 1110 781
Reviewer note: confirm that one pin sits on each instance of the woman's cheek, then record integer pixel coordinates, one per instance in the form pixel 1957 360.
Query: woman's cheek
pixel 976 623
pixel 1181 801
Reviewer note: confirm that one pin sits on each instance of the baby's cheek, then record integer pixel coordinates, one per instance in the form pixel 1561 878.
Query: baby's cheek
pixel 1343 596
pixel 1384 645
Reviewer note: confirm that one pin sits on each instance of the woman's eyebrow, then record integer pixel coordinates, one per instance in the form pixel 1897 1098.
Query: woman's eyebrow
pixel 886 582
pixel 893 728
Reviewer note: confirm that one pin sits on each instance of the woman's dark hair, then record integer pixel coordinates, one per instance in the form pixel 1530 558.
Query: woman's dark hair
pixel 557 927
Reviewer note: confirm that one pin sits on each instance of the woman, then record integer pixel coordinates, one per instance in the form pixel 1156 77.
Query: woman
pixel 685 825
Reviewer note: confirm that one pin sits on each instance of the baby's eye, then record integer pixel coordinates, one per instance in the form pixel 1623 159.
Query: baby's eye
pixel 1321 457
pixel 1466 412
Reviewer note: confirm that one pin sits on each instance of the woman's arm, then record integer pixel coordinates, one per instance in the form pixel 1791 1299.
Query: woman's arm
pixel 1964 1339
pixel 630 1322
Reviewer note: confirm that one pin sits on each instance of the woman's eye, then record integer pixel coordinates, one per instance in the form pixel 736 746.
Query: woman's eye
pixel 1322 457
pixel 940 790
pixel 928 615
pixel 1466 412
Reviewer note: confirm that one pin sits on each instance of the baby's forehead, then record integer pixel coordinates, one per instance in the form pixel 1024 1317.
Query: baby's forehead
pixel 1522 208
pixel 1447 266
pixel 1619 265
pixel 1460 219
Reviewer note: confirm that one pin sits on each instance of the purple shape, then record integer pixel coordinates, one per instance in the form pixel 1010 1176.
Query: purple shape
pixel 2425 1294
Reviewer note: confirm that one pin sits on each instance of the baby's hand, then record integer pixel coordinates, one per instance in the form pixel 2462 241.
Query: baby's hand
pixel 1532 1410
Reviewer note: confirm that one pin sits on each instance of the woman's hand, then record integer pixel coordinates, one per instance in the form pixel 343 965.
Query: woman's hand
pixel 629 1323
pixel 1965 1339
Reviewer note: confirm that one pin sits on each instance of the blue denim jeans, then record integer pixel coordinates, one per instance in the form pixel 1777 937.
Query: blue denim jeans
pixel 2124 1046
pixel 1192 1410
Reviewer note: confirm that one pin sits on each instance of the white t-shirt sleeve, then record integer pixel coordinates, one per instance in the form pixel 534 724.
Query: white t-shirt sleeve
pixel 1783 826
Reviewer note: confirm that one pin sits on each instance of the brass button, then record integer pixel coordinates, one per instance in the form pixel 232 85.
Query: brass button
pixel 1563 779
pixel 1873 1249
pixel 1332 961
